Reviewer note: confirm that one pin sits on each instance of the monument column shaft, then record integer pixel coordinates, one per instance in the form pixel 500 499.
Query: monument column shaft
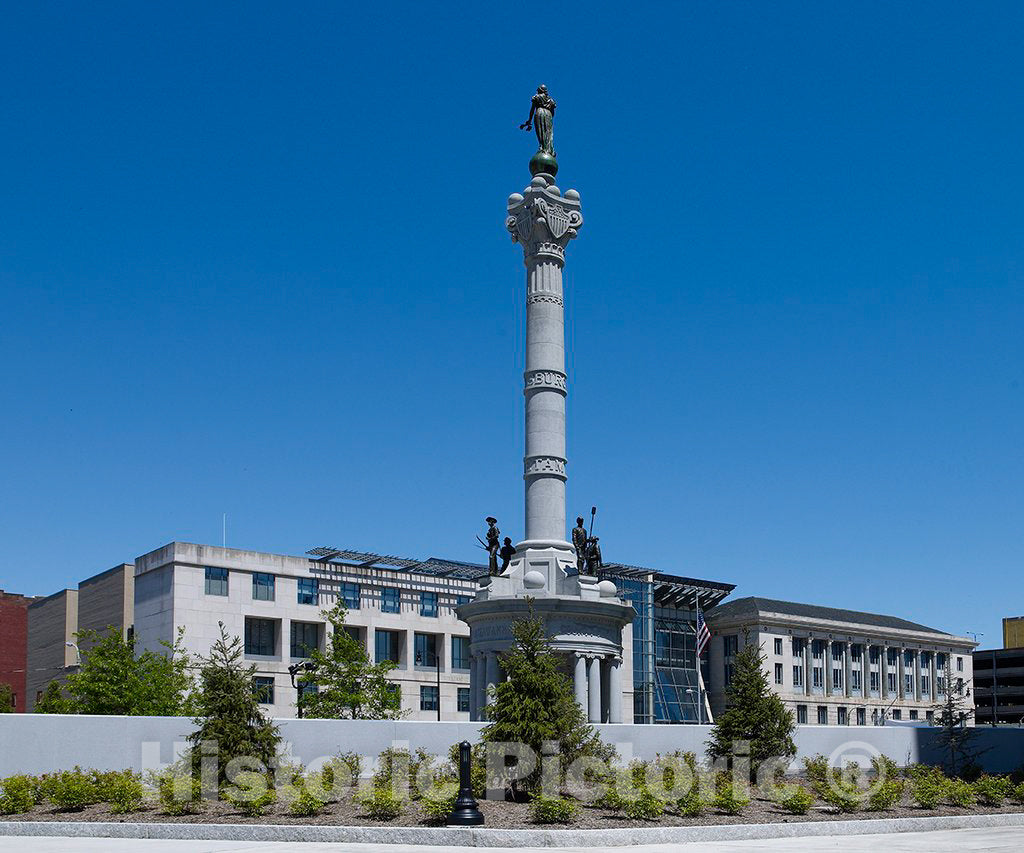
pixel 545 390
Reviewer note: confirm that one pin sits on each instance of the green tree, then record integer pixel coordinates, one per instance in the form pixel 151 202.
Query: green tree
pixel 536 703
pixel 6 698
pixel 113 679
pixel 951 718
pixel 348 685
pixel 53 700
pixel 754 713
pixel 227 712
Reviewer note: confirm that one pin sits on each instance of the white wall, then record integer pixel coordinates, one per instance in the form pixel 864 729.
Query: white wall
pixel 40 743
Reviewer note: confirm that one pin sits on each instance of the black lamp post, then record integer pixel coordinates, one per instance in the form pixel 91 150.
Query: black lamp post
pixel 421 661
pixel 466 812
pixel 294 670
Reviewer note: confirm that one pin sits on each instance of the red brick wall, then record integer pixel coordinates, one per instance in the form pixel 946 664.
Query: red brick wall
pixel 14 644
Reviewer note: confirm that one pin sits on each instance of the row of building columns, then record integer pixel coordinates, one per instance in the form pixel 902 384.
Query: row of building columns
pixel 597 685
pixel 865 670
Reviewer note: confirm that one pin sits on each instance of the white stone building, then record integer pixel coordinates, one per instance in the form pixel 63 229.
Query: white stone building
pixel 838 667
pixel 275 603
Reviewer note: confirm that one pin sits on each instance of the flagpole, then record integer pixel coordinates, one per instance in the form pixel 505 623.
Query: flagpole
pixel 700 681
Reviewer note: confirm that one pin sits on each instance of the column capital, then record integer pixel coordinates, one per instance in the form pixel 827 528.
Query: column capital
pixel 543 220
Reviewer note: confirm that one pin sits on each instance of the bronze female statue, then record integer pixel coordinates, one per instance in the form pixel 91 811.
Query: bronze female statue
pixel 542 115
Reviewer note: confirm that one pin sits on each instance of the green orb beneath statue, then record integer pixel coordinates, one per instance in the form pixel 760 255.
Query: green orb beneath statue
pixel 541 163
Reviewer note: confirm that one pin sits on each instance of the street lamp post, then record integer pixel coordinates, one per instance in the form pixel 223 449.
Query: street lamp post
pixel 78 653
pixel 294 670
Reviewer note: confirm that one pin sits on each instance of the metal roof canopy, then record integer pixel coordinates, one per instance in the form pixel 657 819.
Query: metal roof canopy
pixel 433 566
pixel 673 590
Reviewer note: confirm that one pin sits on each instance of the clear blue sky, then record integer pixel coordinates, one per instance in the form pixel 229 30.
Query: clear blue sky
pixel 253 261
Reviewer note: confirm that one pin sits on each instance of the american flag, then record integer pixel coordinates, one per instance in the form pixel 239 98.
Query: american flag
pixel 703 634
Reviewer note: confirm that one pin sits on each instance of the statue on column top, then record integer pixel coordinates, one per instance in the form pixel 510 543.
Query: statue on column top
pixel 579 542
pixel 542 120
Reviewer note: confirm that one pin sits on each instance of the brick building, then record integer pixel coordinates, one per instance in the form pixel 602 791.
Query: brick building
pixel 14 644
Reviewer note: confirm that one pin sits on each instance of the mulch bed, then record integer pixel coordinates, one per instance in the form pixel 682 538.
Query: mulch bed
pixel 499 815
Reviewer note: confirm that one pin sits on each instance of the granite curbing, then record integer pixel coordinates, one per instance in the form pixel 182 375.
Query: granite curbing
pixel 482 837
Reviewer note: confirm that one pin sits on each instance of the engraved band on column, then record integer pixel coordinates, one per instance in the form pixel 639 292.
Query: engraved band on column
pixel 544 379
pixel 544 465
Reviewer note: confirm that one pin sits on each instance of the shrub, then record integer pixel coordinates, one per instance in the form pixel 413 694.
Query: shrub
pixel 728 800
pixel 796 800
pixel 350 760
pixel 691 804
pixel 553 810
pixel 961 793
pixel 439 804
pixel 992 790
pixel 1018 793
pixel 73 790
pixel 928 787
pixel 841 796
pixel 885 795
pixel 124 792
pixel 644 807
pixel 18 795
pixel 382 803
pixel 885 767
pixel 306 804
pixel 177 792
pixel 251 794
pixel 817 769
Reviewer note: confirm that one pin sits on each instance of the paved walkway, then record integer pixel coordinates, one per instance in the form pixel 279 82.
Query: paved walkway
pixel 953 841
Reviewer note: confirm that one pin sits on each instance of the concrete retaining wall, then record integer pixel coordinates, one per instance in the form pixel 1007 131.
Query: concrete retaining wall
pixel 39 743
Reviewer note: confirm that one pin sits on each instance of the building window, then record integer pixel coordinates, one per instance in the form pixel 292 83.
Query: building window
pixel 929 717
pixel 428 698
pixel 778 645
pixel 841 718
pixel 425 648
pixel 463 700
pixel 855 679
pixel 460 652
pixel 216 581
pixel 801 714
pixel 730 645
pixel 855 652
pixel 391 600
pixel 798 675
pixel 309 591
pixel 798 644
pixel 386 645
pixel 462 599
pixel 355 633
pixel 913 715
pixel 874 655
pixel 874 681
pixel 959 664
pixel 897 714
pixel 428 604
pixel 260 636
pixel 892 676
pixel 262 586
pixel 940 661
pixel 940 685
pixel 862 717
pixel 349 593
pixel 263 690
pixel 778 673
pixel 305 638
pixel 837 679
pixel 822 715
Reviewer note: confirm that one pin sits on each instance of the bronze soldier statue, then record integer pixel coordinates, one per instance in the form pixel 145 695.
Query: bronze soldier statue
pixel 593 555
pixel 493 540
pixel 579 542
pixel 506 553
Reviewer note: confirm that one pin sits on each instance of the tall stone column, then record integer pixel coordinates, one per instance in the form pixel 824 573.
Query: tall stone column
pixel 848 674
pixel 615 691
pixel 580 681
pixel 543 221
pixel 883 668
pixel 933 672
pixel 917 675
pixel 808 665
pixel 594 682
pixel 901 680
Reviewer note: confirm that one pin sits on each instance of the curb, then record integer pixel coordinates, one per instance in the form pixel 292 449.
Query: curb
pixel 475 837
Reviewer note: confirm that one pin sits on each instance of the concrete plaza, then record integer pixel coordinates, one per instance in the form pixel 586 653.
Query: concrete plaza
pixel 958 840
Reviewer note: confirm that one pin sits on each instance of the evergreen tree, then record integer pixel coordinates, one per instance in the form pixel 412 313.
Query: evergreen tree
pixel 951 717
pixel 227 710
pixel 536 703
pixel 348 685
pixel 112 679
pixel 754 713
